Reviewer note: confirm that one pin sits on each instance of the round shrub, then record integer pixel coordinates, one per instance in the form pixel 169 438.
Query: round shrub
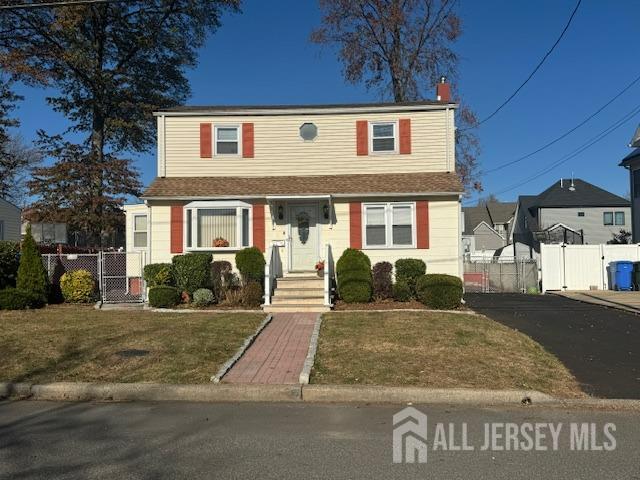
pixel 78 286
pixel 409 270
pixel 439 291
pixel 250 262
pixel 252 295
pixel 158 274
pixel 203 297
pixel 382 282
pixel 192 271
pixel 164 296
pixel 353 271
pixel 16 299
pixel 401 291
pixel 9 263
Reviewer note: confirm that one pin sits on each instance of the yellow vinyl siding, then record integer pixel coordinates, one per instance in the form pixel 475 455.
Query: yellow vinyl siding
pixel 279 150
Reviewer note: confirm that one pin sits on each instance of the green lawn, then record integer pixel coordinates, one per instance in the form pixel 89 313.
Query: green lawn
pixel 436 350
pixel 81 344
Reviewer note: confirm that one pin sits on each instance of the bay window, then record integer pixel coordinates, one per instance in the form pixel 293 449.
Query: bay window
pixel 217 225
pixel 389 225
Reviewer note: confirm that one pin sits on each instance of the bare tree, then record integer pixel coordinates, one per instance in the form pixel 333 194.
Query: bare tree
pixel 401 48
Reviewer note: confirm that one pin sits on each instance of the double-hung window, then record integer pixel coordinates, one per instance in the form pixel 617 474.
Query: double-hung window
pixel 384 137
pixel 140 231
pixel 619 218
pixel 389 225
pixel 217 225
pixel 227 140
pixel 607 218
pixel 1 229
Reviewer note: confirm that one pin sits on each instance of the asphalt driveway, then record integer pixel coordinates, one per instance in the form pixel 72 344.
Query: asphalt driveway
pixel 599 345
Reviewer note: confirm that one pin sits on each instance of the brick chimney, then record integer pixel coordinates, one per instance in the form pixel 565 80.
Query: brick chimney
pixel 443 91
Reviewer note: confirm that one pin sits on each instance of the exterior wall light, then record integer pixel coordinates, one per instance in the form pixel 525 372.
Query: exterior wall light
pixel 325 211
pixel 280 212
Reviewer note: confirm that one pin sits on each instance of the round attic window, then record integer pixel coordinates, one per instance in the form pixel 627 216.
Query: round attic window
pixel 308 131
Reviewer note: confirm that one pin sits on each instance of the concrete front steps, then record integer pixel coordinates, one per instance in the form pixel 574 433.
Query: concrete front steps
pixel 298 292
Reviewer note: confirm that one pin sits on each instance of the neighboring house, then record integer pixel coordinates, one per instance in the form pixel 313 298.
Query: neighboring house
pixel 632 163
pixel 487 226
pixel 376 177
pixel 9 221
pixel 570 211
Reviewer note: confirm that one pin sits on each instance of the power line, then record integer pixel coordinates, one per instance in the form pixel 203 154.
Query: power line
pixel 546 55
pixel 567 133
pixel 24 6
pixel 588 144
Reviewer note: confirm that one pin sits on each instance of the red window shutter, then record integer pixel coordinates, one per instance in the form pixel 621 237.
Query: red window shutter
pixel 405 135
pixel 247 140
pixel 355 225
pixel 259 227
pixel 362 137
pixel 205 141
pixel 422 228
pixel 177 228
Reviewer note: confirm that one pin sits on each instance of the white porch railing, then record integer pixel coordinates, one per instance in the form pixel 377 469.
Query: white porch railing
pixel 272 270
pixel 329 274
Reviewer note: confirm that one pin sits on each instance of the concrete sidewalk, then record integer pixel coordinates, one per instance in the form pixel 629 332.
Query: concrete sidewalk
pixel 627 301
pixel 278 354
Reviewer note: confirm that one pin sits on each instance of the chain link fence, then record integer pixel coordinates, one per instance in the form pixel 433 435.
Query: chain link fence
pixel 500 275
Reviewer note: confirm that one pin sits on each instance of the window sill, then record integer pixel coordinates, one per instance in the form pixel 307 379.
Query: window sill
pixel 389 247
pixel 214 249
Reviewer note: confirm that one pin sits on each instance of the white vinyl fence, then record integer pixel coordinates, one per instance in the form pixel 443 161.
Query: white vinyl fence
pixel 582 267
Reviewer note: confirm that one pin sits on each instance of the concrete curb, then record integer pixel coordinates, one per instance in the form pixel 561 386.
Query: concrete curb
pixel 247 343
pixel 311 354
pixel 458 312
pixel 380 394
pixel 151 392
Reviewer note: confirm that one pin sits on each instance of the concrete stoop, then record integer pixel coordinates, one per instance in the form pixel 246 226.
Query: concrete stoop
pixel 298 292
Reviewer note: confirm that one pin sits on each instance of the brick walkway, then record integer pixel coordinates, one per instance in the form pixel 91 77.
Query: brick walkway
pixel 278 354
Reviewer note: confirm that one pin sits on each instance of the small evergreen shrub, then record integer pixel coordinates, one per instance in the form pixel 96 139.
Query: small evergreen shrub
pixel 382 282
pixel 16 299
pixel 9 263
pixel 252 295
pixel 158 274
pixel 439 291
pixel 192 271
pixel 164 296
pixel 401 291
pixel 353 271
pixel 203 297
pixel 409 270
pixel 222 278
pixel 250 262
pixel 78 286
pixel 32 276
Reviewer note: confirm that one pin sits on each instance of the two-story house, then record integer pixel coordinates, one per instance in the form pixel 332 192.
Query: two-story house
pixel 487 227
pixel 303 180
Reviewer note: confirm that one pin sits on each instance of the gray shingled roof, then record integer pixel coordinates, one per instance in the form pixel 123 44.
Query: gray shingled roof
pixel 491 212
pixel 584 194
pixel 632 157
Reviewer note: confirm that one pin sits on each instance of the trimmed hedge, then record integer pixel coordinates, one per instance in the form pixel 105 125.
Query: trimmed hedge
pixel 78 286
pixel 439 291
pixel 203 297
pixel 16 299
pixel 250 263
pixel 9 263
pixel 32 276
pixel 252 295
pixel 382 281
pixel 353 271
pixel 158 274
pixel 164 297
pixel 401 291
pixel 409 270
pixel 192 271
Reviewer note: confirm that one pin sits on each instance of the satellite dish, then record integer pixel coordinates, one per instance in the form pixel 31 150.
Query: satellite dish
pixel 635 141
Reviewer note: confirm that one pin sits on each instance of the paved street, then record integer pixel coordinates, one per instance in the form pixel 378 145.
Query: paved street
pixel 600 345
pixel 46 440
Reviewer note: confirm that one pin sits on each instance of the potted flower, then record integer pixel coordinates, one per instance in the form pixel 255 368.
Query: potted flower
pixel 320 268
pixel 220 242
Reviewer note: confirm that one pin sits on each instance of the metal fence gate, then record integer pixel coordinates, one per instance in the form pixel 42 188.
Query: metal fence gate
pixel 118 275
pixel 498 275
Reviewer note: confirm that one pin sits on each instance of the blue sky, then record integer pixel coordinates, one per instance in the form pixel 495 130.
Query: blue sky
pixel 264 56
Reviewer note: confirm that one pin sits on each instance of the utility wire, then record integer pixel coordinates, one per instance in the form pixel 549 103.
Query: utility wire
pixel 546 55
pixel 567 133
pixel 24 6
pixel 588 144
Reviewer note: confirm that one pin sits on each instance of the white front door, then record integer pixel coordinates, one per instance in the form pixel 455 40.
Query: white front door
pixel 304 236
